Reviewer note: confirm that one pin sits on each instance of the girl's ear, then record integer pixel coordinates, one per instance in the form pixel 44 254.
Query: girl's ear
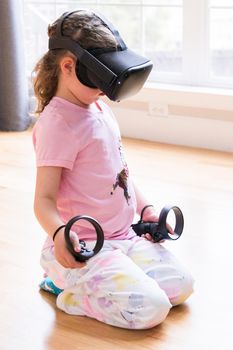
pixel 67 65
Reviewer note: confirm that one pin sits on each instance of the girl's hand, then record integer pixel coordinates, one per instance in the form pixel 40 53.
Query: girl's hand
pixel 63 256
pixel 150 215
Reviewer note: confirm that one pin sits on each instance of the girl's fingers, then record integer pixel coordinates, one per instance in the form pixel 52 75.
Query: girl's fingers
pixel 169 228
pixel 149 238
pixel 71 263
pixel 75 241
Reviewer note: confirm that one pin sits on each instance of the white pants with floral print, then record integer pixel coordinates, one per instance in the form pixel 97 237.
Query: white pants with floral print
pixel 129 283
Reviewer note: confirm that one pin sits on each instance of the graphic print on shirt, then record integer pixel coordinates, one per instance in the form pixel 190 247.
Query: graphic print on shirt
pixel 122 176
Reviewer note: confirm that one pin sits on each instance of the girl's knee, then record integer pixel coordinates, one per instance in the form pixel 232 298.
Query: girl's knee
pixel 143 310
pixel 155 310
pixel 183 290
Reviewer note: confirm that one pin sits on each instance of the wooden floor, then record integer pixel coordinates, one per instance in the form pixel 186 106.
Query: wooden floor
pixel 199 181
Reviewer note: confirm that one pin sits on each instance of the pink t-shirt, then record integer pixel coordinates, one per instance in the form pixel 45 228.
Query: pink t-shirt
pixel 86 143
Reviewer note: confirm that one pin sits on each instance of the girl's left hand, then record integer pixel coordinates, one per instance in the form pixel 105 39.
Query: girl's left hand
pixel 150 215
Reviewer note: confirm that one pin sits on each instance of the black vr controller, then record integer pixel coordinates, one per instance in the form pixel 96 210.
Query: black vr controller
pixel 158 231
pixel 161 230
pixel 85 253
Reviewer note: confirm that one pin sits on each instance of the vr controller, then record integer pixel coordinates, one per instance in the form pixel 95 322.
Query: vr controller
pixel 158 230
pixel 161 230
pixel 85 253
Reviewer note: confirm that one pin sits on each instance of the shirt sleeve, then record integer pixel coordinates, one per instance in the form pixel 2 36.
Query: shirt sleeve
pixel 54 142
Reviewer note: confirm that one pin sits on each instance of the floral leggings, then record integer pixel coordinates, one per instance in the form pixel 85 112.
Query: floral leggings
pixel 129 283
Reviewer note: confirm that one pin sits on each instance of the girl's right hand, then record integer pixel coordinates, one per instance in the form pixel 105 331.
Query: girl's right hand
pixel 62 255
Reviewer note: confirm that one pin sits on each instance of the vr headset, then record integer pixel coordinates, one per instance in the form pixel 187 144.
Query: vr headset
pixel 117 73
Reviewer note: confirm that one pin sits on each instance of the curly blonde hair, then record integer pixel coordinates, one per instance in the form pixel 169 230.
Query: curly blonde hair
pixel 82 26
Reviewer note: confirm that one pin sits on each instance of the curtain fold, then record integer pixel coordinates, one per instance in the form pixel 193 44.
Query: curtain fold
pixel 13 82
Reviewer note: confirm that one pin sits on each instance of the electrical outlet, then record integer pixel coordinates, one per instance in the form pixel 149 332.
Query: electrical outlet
pixel 158 109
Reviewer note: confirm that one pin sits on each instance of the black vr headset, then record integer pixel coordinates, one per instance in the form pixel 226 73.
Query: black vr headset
pixel 118 74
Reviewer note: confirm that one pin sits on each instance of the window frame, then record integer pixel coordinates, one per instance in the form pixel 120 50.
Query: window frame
pixel 196 49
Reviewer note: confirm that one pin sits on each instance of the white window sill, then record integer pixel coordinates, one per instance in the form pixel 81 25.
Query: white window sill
pixel 190 89
pixel 208 100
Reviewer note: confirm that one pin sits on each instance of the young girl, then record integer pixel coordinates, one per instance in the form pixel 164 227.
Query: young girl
pixel 132 282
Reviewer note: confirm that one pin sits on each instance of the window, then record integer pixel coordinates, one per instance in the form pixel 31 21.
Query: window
pixel 221 38
pixel 189 41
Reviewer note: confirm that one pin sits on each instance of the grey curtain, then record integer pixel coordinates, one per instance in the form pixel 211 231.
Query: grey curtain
pixel 13 82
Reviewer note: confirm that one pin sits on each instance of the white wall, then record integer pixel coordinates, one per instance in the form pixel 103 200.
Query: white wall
pixel 182 116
